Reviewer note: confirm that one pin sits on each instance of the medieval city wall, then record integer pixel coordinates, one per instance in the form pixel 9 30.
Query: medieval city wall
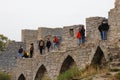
pixel 53 63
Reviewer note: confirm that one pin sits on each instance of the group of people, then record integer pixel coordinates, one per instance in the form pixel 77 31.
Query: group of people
pixel 41 46
pixel 103 28
pixel 81 36
pixel 22 53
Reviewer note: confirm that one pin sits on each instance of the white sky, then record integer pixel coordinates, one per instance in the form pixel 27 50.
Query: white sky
pixel 16 15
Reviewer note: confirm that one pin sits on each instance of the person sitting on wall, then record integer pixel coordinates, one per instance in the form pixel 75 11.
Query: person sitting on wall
pixel 103 28
pixel 31 50
pixel 26 54
pixel 48 44
pixel 78 36
pixel 20 52
pixel 41 45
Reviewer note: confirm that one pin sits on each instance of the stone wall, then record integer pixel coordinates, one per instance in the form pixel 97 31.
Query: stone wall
pixel 28 37
pixel 49 32
pixel 69 36
pixel 92 32
pixel 32 36
pixel 114 22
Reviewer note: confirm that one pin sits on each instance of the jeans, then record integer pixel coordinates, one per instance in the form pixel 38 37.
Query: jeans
pixel 83 39
pixel 104 35
pixel 55 45
pixel 79 41
pixel 20 55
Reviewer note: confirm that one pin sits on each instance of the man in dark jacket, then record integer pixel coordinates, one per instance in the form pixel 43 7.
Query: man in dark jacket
pixel 48 44
pixel 82 32
pixel 103 28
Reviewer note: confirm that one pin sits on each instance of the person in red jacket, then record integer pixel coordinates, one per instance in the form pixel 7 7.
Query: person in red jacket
pixel 78 36
pixel 55 42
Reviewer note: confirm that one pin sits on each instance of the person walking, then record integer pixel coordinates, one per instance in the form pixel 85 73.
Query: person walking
pixel 41 46
pixel 48 44
pixel 55 42
pixel 103 28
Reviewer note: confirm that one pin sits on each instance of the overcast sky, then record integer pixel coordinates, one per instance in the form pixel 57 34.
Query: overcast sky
pixel 16 15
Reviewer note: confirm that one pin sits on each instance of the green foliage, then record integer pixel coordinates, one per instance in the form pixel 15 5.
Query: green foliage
pixel 4 76
pixel 114 70
pixel 3 40
pixel 69 74
pixel 88 71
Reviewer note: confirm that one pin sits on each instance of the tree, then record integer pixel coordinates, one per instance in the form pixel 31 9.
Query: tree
pixel 3 40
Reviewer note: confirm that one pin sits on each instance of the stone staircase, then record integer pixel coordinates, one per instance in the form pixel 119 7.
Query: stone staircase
pixel 114 58
pixel 8 57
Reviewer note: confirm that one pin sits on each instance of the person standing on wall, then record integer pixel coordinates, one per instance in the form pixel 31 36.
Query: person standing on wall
pixel 55 42
pixel 82 32
pixel 103 28
pixel 48 44
pixel 31 50
pixel 78 36
pixel 41 46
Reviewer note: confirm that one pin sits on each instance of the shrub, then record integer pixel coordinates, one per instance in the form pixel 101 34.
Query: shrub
pixel 4 76
pixel 69 74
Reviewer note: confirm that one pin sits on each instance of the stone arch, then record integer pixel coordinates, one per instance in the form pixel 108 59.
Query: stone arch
pixel 99 57
pixel 21 77
pixel 67 64
pixel 42 73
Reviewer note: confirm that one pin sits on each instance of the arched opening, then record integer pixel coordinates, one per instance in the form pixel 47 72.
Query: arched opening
pixel 67 64
pixel 42 74
pixel 21 77
pixel 99 58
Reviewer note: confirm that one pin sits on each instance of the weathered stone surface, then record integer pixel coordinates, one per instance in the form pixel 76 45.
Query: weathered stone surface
pixel 52 63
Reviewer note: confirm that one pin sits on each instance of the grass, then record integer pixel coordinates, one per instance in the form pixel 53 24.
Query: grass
pixel 69 74
pixel 4 76
pixel 117 76
pixel 74 73
pixel 92 70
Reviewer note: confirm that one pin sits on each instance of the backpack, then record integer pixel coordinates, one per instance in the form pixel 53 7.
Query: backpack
pixel 41 43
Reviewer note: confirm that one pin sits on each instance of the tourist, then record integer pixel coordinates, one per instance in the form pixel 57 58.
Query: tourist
pixel 55 42
pixel 79 36
pixel 48 44
pixel 41 46
pixel 26 54
pixel 20 52
pixel 82 32
pixel 31 50
pixel 103 28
